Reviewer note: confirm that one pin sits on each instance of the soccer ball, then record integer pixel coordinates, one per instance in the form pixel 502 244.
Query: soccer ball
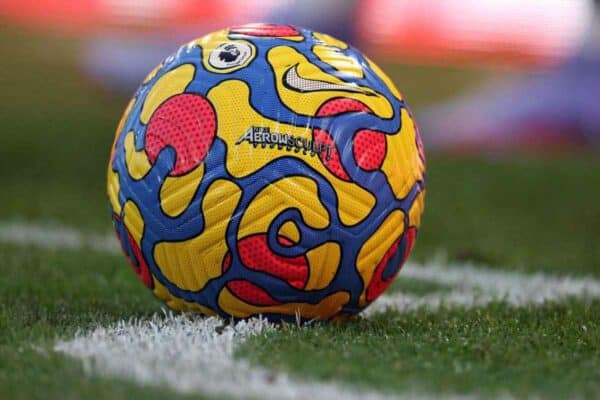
pixel 267 170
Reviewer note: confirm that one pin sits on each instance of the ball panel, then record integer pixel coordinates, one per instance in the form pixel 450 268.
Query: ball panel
pixel 377 247
pixel 288 233
pixel 250 293
pixel 187 124
pixel 265 30
pixel 369 149
pixel 377 285
pixel 331 160
pixel 256 254
pixel 329 40
pixel 171 83
pixel 177 192
pixel 293 192
pixel 129 229
pixel 335 58
pixel 390 265
pixel 191 264
pixel 175 303
pixel 137 261
pixel 324 262
pixel 404 157
pixel 416 210
pixel 113 188
pixel 323 310
pixel 120 126
pixel 137 162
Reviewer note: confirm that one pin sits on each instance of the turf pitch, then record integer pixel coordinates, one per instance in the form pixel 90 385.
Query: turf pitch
pixel 532 215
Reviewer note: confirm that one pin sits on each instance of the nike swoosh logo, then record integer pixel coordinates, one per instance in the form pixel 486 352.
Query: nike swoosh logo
pixel 291 79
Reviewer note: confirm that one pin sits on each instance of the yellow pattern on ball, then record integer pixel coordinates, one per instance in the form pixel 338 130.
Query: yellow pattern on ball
pixel 138 164
pixel 323 262
pixel 374 249
pixel 325 309
pixel 177 192
pixel 134 221
pixel 404 158
pixel 192 263
pixel 287 193
pixel 172 83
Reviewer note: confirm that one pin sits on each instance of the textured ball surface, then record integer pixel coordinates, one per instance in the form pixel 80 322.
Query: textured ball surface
pixel 267 169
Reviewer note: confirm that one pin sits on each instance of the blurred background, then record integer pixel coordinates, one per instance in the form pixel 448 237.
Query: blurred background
pixel 506 93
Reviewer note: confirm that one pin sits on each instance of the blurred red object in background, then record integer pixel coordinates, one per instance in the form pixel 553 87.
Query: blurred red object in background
pixel 90 16
pixel 482 31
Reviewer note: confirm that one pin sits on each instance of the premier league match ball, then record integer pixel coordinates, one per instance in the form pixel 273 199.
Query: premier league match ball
pixel 267 170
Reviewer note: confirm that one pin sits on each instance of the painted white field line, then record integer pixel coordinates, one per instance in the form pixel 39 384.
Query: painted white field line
pixel 195 355
pixel 55 237
pixel 477 286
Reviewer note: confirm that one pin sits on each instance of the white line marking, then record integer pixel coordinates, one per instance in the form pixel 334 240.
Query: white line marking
pixel 55 237
pixel 477 286
pixel 190 356
pixel 516 286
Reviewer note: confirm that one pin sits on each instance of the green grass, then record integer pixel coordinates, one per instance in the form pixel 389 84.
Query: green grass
pixel 47 295
pixel 57 133
pixel 530 214
pixel 29 373
pixel 551 351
